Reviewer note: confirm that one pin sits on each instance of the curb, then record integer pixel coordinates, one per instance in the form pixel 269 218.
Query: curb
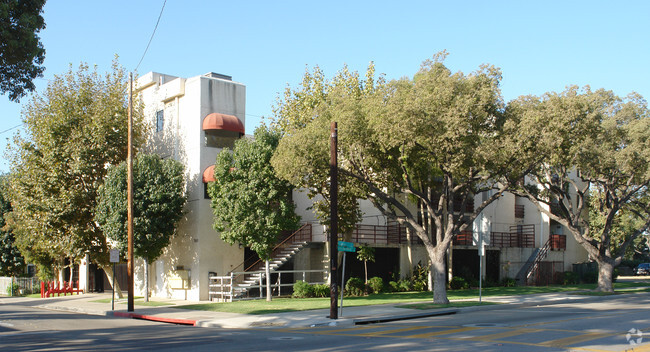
pixel 387 318
pixel 155 318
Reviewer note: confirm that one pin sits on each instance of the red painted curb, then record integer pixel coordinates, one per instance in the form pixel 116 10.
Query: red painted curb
pixel 154 318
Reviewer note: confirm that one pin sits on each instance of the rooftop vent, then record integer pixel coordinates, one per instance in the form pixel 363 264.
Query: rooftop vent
pixel 218 75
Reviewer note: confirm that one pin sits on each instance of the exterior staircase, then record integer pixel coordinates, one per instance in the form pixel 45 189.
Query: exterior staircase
pixel 252 277
pixel 532 265
pixel 254 280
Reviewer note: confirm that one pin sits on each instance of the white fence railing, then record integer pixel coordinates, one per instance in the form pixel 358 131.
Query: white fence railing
pixel 24 285
pixel 226 288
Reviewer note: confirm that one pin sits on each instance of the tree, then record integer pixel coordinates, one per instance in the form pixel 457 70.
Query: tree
pixel 21 50
pixel 431 142
pixel 366 254
pixel 596 150
pixel 297 109
pixel 158 201
pixel 11 260
pixel 74 130
pixel 251 205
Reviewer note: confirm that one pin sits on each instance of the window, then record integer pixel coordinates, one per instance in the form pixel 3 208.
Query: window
pixel 206 194
pixel 160 120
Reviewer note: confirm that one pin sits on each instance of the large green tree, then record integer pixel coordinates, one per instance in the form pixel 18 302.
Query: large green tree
pixel 251 205
pixel 297 108
pixel 158 201
pixel 11 260
pixel 427 144
pixel 595 172
pixel 21 51
pixel 73 132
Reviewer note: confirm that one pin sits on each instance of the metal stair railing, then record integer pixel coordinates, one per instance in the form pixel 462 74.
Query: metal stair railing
pixel 302 235
pixel 541 255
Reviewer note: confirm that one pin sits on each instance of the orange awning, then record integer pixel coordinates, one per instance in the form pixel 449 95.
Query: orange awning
pixel 208 174
pixel 216 121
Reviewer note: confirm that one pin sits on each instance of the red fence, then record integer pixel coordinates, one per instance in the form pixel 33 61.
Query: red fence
pixel 55 288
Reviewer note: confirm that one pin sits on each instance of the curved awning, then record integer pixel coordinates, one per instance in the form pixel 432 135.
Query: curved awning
pixel 216 121
pixel 208 174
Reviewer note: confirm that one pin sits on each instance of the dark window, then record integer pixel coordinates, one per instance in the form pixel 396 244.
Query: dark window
pixel 160 120
pixel 206 195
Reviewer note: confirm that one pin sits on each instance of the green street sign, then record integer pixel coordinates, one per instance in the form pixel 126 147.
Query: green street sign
pixel 346 247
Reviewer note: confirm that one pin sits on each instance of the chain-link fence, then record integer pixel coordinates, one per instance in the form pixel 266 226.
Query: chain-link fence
pixel 18 286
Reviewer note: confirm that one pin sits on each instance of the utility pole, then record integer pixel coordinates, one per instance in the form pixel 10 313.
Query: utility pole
pixel 129 182
pixel 334 236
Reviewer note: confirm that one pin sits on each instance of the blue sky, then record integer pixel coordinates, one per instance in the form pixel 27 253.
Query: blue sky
pixel 539 46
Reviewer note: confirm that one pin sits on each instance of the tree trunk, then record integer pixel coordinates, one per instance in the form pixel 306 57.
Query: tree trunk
pixel 268 281
pixel 365 266
pixel 71 274
pixel 605 277
pixel 439 276
pixel 430 277
pixel 116 287
pixel 146 280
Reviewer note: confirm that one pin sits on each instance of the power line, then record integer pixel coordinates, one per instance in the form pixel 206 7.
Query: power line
pixel 152 34
pixel 9 129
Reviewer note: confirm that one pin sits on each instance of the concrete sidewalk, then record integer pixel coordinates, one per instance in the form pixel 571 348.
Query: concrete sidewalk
pixel 173 312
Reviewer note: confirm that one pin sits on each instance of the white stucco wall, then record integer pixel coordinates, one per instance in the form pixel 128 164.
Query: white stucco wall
pixel 196 249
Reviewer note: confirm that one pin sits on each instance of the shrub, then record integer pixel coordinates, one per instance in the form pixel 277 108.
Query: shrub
pixel 404 285
pixel 321 290
pixel 571 278
pixel 419 286
pixel 13 290
pixel 458 283
pixel 508 282
pixel 393 286
pixel 355 287
pixel 376 284
pixel 302 289
pixel 420 279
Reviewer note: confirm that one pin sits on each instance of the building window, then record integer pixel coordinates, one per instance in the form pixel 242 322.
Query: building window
pixel 160 120
pixel 206 194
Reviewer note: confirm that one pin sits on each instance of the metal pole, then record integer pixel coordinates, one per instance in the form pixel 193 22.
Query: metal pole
pixel 129 177
pixel 481 253
pixel 342 285
pixel 333 221
pixel 113 298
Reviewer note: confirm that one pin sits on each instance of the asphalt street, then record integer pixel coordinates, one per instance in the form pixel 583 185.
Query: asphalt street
pixel 617 324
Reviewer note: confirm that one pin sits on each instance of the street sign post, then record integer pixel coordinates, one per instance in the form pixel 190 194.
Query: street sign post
pixel 114 258
pixel 344 247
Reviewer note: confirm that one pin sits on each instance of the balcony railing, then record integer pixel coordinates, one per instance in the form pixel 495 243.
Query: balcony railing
pixel 519 211
pixel 465 238
pixel 558 242
pixel 520 236
pixel 381 234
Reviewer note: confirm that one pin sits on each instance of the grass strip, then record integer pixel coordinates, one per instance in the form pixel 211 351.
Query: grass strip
pixel 282 305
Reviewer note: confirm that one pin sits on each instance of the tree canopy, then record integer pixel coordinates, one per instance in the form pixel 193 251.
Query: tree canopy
pixel 21 50
pixel 433 141
pixel 74 131
pixel 595 171
pixel 298 108
pixel 11 260
pixel 251 205
pixel 158 201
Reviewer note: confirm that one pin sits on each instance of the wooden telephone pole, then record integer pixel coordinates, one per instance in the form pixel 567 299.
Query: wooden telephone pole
pixel 129 182
pixel 334 236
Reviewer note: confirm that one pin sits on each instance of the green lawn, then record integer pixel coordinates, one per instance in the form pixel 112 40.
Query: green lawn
pixel 279 305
